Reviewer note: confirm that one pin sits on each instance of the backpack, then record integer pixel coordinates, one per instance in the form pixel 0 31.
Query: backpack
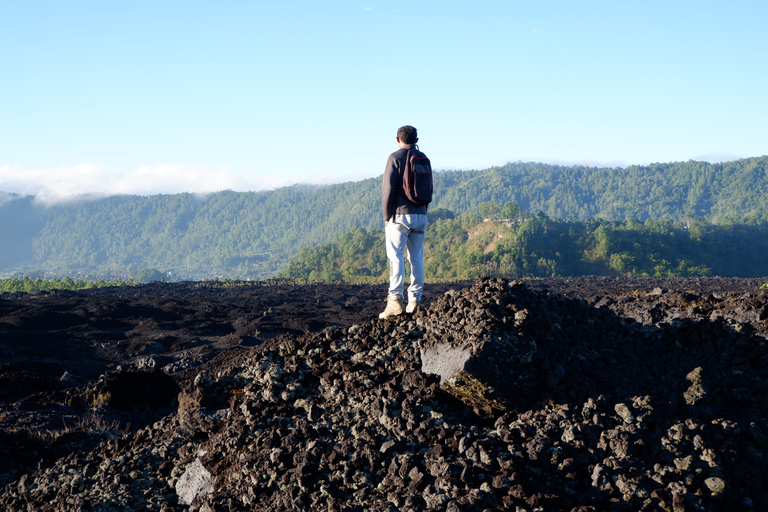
pixel 417 178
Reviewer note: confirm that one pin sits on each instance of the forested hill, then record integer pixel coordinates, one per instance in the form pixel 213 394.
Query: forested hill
pixel 466 246
pixel 250 234
pixel 658 191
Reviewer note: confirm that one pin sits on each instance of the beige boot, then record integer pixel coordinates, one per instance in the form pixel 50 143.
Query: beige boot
pixel 394 307
pixel 413 306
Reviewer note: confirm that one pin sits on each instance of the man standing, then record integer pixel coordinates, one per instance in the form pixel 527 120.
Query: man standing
pixel 404 230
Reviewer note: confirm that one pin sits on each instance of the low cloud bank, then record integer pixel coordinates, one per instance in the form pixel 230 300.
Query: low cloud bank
pixel 63 183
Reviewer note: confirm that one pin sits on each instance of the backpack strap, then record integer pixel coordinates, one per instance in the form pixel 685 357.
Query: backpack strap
pixel 414 147
pixel 401 182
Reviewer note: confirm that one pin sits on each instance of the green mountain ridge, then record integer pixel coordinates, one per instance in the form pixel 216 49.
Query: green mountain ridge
pixel 256 234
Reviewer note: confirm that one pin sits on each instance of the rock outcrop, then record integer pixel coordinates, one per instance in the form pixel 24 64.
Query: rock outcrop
pixel 507 347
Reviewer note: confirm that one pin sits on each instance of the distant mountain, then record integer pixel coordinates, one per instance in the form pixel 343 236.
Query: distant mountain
pixel 658 191
pixel 255 234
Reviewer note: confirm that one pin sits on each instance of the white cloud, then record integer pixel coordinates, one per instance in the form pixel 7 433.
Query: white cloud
pixel 60 183
pixel 55 184
pixel 366 9
pixel 153 179
pixel 717 157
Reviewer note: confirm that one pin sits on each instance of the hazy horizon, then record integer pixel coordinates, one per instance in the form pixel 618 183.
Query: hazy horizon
pixel 56 185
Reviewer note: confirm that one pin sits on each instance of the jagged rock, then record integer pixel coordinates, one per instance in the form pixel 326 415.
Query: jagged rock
pixel 696 392
pixel 481 357
pixel 511 347
pixel 195 481
pixel 444 360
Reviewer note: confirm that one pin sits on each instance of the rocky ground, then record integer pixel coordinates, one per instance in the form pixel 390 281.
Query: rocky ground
pixel 570 394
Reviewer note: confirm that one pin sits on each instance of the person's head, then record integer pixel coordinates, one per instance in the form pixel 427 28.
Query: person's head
pixel 407 135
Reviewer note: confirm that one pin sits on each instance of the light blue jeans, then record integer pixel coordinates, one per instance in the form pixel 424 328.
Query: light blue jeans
pixel 405 238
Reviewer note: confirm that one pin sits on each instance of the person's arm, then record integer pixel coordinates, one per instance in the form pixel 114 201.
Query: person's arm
pixel 389 188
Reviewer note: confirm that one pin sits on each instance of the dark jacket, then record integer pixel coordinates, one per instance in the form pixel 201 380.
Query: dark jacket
pixel 393 199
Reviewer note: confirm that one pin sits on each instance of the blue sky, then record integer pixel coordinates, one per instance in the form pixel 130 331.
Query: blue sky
pixel 166 96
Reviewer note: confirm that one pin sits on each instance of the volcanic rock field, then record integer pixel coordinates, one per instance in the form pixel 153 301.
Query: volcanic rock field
pixel 579 394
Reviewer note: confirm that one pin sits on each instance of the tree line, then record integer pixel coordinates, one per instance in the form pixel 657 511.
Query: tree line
pixel 28 284
pixel 255 234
